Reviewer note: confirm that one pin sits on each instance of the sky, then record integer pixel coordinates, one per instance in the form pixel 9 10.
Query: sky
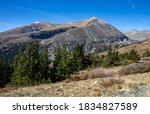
pixel 123 14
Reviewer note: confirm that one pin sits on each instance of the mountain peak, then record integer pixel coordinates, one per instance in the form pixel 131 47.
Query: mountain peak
pixel 36 22
pixel 86 22
pixel 93 18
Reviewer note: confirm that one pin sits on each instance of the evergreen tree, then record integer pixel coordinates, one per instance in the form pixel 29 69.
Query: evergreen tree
pixel 124 58
pixel 111 59
pixel 61 64
pixel 36 74
pixel 30 66
pixel 78 58
pixel 2 78
pixel 5 71
pixel 21 72
pixel 91 60
pixel 133 56
pixel 44 62
pixel 67 62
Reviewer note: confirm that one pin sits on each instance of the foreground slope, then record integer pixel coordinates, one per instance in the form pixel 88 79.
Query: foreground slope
pixel 117 81
pixel 130 85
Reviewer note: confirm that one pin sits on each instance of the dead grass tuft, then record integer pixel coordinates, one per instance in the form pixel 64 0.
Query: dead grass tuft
pixel 95 73
pixel 134 68
pixel 111 81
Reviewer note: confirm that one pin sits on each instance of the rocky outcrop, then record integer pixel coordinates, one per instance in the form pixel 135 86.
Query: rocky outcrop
pixel 49 33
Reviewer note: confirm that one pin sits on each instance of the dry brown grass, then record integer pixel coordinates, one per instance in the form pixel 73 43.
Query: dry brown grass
pixel 134 68
pixel 111 81
pixel 141 48
pixel 93 73
pixel 89 87
pixel 135 80
pixel 128 83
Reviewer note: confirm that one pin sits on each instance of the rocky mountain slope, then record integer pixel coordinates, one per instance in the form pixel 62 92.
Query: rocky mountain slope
pixel 93 33
pixel 138 35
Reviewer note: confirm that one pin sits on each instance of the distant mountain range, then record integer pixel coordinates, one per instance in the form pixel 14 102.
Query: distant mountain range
pixel 93 33
pixel 138 35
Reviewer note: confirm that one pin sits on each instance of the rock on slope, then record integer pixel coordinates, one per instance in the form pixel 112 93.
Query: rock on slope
pixel 93 33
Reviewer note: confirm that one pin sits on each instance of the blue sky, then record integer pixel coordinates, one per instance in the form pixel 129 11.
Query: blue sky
pixel 123 14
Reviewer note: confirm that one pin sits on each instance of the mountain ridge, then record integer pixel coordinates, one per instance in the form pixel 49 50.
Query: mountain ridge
pixel 138 35
pixel 95 34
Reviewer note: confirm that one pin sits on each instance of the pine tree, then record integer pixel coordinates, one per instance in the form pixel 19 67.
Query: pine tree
pixel 67 62
pixel 123 58
pixel 61 64
pixel 5 71
pixel 133 55
pixel 30 66
pixel 44 62
pixel 2 78
pixel 91 60
pixel 35 63
pixel 78 58
pixel 111 59
pixel 20 75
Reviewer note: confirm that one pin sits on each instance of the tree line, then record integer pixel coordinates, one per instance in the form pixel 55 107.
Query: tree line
pixel 32 66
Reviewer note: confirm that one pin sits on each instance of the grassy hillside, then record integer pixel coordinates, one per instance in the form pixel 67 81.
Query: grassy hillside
pixel 117 81
pixel 141 48
pixel 130 85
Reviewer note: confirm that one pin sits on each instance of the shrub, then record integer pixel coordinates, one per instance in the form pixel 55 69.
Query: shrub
pixel 101 73
pixel 135 68
pixel 146 54
pixel 95 73
pixel 107 82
